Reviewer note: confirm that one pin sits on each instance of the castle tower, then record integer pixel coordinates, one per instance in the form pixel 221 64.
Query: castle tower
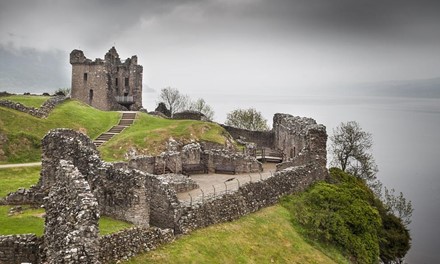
pixel 109 84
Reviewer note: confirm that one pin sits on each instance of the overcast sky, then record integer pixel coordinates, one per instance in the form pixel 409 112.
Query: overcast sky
pixel 237 46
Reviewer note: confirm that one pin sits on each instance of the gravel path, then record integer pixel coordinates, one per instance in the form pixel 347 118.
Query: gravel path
pixel 4 166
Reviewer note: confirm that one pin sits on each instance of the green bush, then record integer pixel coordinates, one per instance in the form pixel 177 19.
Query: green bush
pixel 339 215
pixel 345 212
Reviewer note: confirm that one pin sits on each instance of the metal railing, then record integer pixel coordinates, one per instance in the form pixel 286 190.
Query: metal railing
pixel 124 99
pixel 229 186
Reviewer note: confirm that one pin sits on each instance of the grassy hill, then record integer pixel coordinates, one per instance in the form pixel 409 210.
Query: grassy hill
pixel 21 134
pixel 267 236
pixel 149 134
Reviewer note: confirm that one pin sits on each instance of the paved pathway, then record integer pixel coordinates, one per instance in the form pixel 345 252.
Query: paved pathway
pixel 220 183
pixel 31 164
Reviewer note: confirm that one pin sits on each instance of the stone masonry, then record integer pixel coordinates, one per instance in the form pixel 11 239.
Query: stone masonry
pixel 109 84
pixel 72 214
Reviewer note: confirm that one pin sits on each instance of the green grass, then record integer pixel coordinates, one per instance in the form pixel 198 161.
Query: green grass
pixel 21 177
pixel 109 225
pixel 267 236
pixel 24 132
pixel 27 100
pixel 149 135
pixel 31 221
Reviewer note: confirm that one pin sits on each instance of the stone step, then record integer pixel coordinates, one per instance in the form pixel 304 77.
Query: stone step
pixel 128 116
pixel 126 120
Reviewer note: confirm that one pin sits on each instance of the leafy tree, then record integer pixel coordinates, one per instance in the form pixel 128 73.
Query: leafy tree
pixel 351 146
pixel 173 100
pixel 201 106
pixel 249 119
pixel 394 239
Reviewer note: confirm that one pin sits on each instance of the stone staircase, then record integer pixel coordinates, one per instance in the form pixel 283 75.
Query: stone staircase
pixel 126 120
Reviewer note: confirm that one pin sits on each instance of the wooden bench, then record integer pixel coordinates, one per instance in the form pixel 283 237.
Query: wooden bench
pixel 225 169
pixel 188 169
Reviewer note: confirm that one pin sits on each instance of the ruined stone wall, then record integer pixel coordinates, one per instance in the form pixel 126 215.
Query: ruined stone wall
pixel 72 214
pixel 249 198
pixel 241 162
pixel 16 249
pixel 129 242
pixel 163 203
pixel 122 194
pixel 98 82
pixel 41 112
pixel 261 138
pixel 190 115
pixel 193 154
pixel 300 139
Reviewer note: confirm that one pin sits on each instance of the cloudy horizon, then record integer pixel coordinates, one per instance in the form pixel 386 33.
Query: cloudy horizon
pixel 231 46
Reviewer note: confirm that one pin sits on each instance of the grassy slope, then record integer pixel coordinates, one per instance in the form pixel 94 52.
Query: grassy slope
pixel 27 100
pixel 149 135
pixel 24 132
pixel 267 236
pixel 13 178
pixel 32 222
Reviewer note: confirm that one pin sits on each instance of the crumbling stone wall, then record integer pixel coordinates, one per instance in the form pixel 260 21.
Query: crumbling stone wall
pixel 72 214
pixel 300 139
pixel 16 249
pixel 242 163
pixel 263 139
pixel 190 115
pixel 193 154
pixel 127 243
pixel 99 82
pixel 122 194
pixel 163 203
pixel 41 112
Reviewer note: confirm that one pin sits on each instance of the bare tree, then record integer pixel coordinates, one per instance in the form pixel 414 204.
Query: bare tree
pixel 173 100
pixel 249 119
pixel 350 146
pixel 201 106
pixel 398 205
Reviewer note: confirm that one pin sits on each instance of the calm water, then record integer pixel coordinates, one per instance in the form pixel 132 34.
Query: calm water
pixel 406 133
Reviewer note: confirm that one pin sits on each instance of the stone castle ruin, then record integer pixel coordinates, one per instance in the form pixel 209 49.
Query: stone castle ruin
pixel 76 187
pixel 107 84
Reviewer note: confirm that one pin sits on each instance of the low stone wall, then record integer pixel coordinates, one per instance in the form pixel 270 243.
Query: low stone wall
pixel 18 249
pixel 261 138
pixel 180 183
pixel 190 115
pixel 41 112
pixel 249 198
pixel 193 154
pixel 129 242
pixel 242 163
